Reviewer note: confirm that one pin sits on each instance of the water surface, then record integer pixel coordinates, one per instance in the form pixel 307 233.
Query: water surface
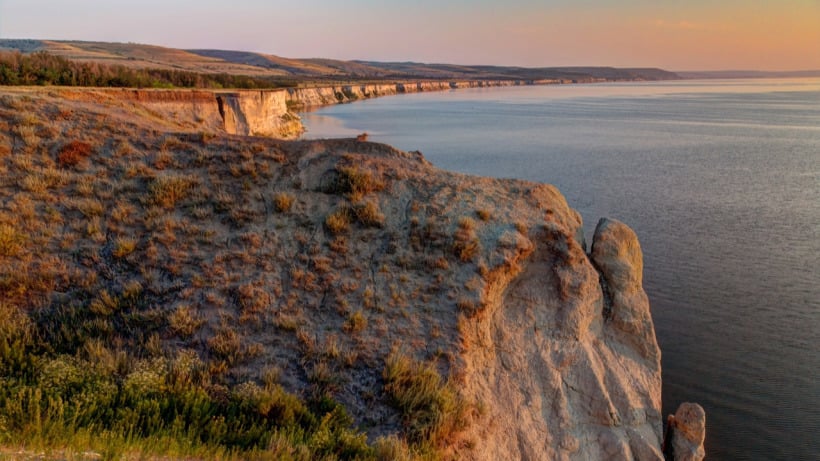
pixel 721 181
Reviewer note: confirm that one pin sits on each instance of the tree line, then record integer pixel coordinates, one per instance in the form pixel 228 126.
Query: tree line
pixel 43 69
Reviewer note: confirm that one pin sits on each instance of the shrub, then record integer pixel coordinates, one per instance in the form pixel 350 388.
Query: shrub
pixel 338 221
pixel 73 153
pixel 432 409
pixel 356 322
pixel 283 202
pixel 184 321
pixel 369 214
pixel 167 190
pixel 355 182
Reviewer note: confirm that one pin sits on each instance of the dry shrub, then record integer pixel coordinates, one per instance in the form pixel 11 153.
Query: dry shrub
pixel 123 246
pixel 185 321
pixel 338 221
pixel 465 241
pixel 356 182
pixel 11 241
pixel 283 202
pixel 484 215
pixel 369 214
pixel 167 190
pixel 73 153
pixel 356 322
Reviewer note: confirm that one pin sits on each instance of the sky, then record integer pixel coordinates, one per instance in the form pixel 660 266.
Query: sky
pixel 675 35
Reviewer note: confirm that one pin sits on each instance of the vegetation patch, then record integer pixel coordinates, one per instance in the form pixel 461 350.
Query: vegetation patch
pixel 73 153
pixel 432 409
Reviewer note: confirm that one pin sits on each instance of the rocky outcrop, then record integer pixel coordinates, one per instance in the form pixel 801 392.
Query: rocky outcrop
pixel 561 378
pixel 258 113
pixel 685 433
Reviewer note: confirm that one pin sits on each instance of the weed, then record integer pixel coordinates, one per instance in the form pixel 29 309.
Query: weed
pixel 184 321
pixel 338 221
pixel 283 202
pixel 484 215
pixel 432 409
pixel 169 189
pixel 355 322
pixel 73 153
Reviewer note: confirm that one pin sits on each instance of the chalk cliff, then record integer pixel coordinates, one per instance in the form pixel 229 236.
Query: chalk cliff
pixel 323 258
pixel 268 113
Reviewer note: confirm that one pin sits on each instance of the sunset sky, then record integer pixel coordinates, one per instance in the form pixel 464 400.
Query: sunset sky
pixel 672 34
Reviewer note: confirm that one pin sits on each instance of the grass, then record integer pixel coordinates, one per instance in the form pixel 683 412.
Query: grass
pixel 283 201
pixel 144 290
pixel 73 153
pixel 169 189
pixel 355 182
pixel 433 411
pixel 338 221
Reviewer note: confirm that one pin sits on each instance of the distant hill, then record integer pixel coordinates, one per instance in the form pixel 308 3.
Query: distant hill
pixel 748 74
pixel 254 64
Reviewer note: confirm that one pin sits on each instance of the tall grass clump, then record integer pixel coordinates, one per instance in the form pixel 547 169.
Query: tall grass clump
pixel 432 409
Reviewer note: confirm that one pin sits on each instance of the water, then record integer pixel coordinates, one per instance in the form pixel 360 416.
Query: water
pixel 721 181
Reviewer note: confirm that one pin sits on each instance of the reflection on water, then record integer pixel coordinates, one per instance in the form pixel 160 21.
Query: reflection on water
pixel 721 181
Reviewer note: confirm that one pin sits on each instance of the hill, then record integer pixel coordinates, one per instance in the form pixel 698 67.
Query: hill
pixel 309 70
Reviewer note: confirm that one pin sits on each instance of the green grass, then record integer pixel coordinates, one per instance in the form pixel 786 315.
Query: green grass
pixel 113 403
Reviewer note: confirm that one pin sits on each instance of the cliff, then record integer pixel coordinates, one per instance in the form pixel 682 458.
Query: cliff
pixel 323 96
pixel 447 314
pixel 268 113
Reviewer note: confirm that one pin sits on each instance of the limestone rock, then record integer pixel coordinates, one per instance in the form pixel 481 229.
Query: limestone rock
pixel 686 432
pixel 617 254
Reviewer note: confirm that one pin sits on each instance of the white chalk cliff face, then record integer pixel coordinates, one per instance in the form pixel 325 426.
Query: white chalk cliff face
pixel 565 358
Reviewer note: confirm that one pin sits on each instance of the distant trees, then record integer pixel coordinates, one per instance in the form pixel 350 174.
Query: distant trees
pixel 42 69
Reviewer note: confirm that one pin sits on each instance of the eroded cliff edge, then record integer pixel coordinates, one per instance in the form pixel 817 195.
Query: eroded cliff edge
pixel 321 259
pixel 269 113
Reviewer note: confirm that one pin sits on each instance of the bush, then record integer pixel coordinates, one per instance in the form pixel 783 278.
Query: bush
pixel 338 221
pixel 73 153
pixel 167 190
pixel 432 409
pixel 355 182
pixel 369 214
pixel 283 202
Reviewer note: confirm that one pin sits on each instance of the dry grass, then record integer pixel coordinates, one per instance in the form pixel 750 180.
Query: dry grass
pixel 338 221
pixel 283 201
pixel 73 153
pixel 167 190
